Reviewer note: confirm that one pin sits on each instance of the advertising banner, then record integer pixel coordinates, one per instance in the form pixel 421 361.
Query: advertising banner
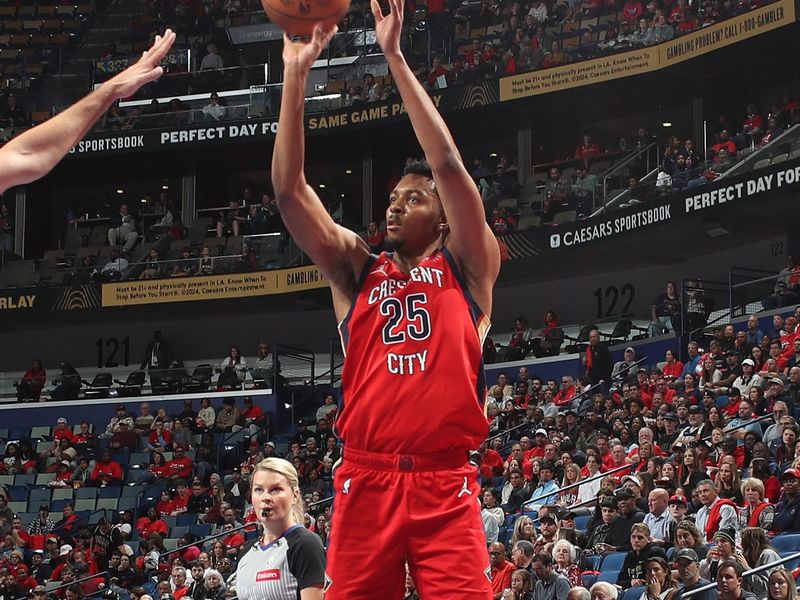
pixel 755 186
pixel 212 287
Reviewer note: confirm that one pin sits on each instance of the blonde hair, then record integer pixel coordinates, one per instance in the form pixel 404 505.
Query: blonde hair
pixel 287 470
pixel 753 483
pixel 786 576
pixel 518 527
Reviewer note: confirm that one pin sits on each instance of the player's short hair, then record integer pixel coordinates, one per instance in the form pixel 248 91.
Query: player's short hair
pixel 419 167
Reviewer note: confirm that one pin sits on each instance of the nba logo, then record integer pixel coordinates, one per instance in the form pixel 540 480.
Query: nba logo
pixel 555 240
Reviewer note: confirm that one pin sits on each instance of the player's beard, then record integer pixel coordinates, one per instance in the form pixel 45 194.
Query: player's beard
pixel 393 244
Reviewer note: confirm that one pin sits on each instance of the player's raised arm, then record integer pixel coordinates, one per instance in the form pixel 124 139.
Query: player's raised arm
pixel 471 239
pixel 35 152
pixel 331 247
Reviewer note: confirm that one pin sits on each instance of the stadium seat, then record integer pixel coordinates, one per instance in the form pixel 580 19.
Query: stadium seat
pixel 6 480
pixel 179 531
pixel 107 503
pixel 18 493
pixel 57 505
pixel 18 507
pixel 84 493
pixel 582 521
pixel 171 543
pixel 633 593
pixel 593 562
pixel 792 564
pixel 131 491
pixel 613 561
pixel 127 503
pixel 39 496
pixel 41 432
pixel 788 542
pixel 84 504
pixel 609 576
pixel 111 491
pixel 186 520
pixel 44 478
pixel 63 494
pixel 201 529
pixel 588 579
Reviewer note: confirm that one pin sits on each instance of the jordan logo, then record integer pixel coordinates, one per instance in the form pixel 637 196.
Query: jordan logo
pixel 346 487
pixel 381 269
pixel 464 489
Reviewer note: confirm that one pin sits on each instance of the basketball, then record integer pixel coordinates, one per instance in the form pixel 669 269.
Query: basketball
pixel 298 17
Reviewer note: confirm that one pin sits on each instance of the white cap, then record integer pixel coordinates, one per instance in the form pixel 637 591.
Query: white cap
pixel 542 431
pixel 64 550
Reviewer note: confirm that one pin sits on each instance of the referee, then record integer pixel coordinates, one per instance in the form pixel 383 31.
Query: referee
pixel 288 562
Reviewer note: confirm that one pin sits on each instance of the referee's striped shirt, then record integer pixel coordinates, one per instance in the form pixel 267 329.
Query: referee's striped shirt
pixel 279 570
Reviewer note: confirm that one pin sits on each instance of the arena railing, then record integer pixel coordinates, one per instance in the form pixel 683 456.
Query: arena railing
pixel 628 467
pixel 748 287
pixel 754 155
pixel 749 572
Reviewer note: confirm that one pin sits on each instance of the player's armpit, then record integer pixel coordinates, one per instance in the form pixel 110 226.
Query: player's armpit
pixel 338 252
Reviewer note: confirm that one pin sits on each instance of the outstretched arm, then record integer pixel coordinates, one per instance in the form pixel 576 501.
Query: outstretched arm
pixel 471 240
pixel 337 251
pixel 33 153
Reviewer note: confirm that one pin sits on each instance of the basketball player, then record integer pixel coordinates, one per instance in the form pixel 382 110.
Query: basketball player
pixel 412 322
pixel 288 561
pixel 33 153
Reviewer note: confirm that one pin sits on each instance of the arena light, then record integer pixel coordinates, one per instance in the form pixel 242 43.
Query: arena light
pixel 342 195
pixel 164 187
pixel 322 186
pixel 493 155
pixel 348 171
pixel 120 191
pixel 666 124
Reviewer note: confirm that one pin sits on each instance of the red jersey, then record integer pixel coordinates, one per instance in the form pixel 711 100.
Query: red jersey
pixel 413 376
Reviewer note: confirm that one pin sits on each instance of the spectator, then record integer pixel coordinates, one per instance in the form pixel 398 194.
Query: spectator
pixel 549 584
pixel 212 59
pixel 597 360
pixel 157 359
pixel 123 229
pixel 124 439
pixel 115 268
pixel 235 361
pixel 716 513
pixel 32 382
pixel 14 115
pixel 214 110
pixel 6 230
pixel 665 311
pixel 588 148
pixel 106 472
pixel 500 570
pixel 67 383
pixel 565 556
pixel 642 550
pixel 781 585
pixel 787 512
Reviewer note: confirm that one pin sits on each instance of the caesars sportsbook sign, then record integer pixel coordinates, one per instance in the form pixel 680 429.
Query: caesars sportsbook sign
pixel 755 186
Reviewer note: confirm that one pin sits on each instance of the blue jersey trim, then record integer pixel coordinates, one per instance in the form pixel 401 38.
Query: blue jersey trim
pixel 281 536
pixel 344 330
pixel 476 313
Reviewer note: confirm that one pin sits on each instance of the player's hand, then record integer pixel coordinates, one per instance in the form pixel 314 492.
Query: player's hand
pixel 303 52
pixel 388 27
pixel 145 70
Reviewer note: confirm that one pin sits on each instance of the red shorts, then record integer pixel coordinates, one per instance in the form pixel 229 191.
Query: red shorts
pixel 392 508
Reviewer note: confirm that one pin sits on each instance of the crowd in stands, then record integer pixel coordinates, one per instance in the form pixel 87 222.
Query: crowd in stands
pixel 707 470
pixel 473 42
pixel 108 251
pixel 660 479
pixel 165 370
pixel 198 485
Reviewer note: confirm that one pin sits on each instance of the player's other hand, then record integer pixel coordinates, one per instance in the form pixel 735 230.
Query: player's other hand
pixel 145 70
pixel 388 27
pixel 303 52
